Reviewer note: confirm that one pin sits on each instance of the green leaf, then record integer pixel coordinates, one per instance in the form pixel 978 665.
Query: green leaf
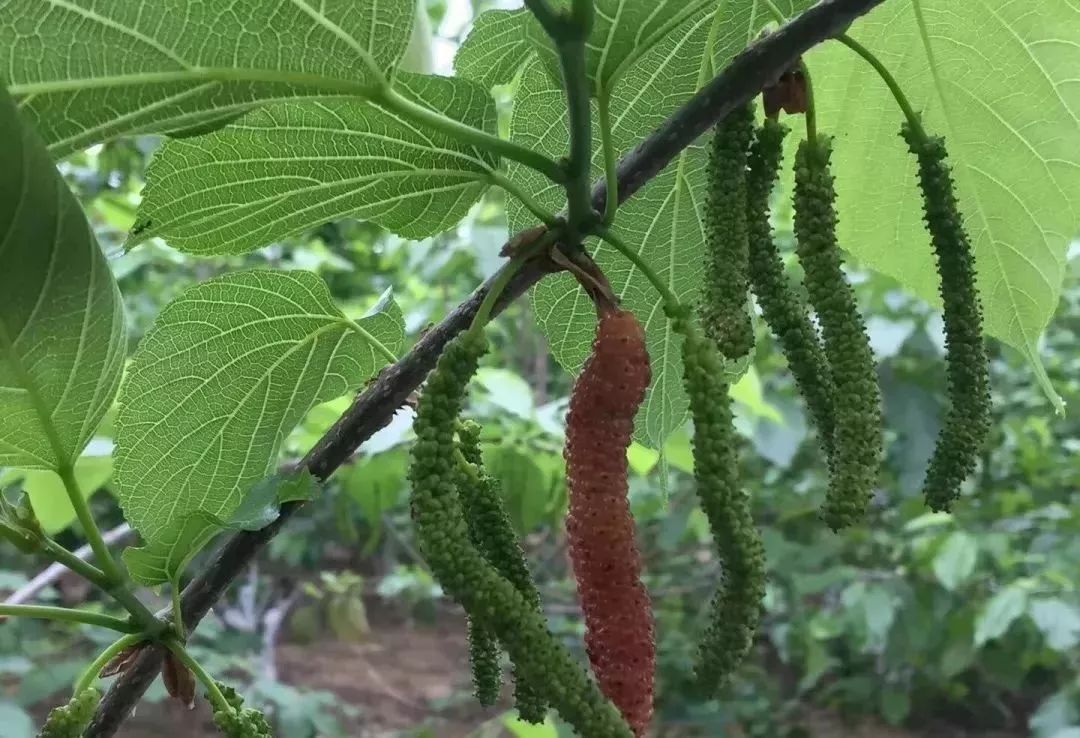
pixel 61 315
pixel 508 390
pixel 49 499
pixel 520 729
pixel 165 558
pixel 999 613
pixel 86 71
pixel 1013 139
pixel 262 505
pixel 663 221
pixel 1059 622
pixel 495 49
pixel 649 69
pixel 748 392
pixel 234 363
pixel 623 32
pixel 955 561
pixel 377 483
pixel 525 488
pixel 293 165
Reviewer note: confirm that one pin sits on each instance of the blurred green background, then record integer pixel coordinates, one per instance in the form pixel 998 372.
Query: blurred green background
pixel 912 624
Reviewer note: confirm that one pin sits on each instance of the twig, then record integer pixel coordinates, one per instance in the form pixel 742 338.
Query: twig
pixel 760 64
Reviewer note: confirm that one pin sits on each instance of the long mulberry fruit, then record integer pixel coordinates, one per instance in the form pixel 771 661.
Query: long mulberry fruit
pixel 619 634
pixel 492 532
pixel 968 372
pixel 69 720
pixel 487 596
pixel 724 310
pixel 782 307
pixel 856 440
pixel 736 607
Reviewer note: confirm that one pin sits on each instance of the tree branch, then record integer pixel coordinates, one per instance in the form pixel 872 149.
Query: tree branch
pixel 757 66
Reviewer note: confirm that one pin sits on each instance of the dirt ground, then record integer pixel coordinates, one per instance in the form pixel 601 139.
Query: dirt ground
pixel 403 677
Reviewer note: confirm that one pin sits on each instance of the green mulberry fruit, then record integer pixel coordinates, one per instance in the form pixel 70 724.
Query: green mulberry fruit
pixel 782 307
pixel 968 372
pixel 492 532
pixel 857 431
pixel 69 721
pixel 736 607
pixel 724 310
pixel 488 597
pixel 240 722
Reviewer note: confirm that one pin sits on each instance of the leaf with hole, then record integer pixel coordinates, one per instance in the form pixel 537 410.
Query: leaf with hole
pixel 292 166
pixel 234 364
pixel 86 71
pixel 61 316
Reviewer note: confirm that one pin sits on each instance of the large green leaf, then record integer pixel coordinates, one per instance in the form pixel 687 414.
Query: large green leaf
pixel 623 32
pixel 88 71
pixel 663 221
pixel 495 49
pixel 290 166
pixel 999 81
pixel 61 315
pixel 227 370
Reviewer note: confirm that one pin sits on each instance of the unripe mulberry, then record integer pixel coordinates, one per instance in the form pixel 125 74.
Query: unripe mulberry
pixel 492 532
pixel 724 311
pixel 69 721
pixel 782 306
pixel 736 606
pixel 488 597
pixel 619 635
pixel 856 441
pixel 968 372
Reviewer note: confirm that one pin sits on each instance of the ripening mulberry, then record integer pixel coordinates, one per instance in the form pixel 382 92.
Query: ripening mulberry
pixel 857 431
pixel 488 597
pixel 736 607
pixel 724 310
pixel 69 721
pixel 619 637
pixel 492 532
pixel 968 372
pixel 782 307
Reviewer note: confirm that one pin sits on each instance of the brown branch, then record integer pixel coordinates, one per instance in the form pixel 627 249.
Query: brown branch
pixel 756 67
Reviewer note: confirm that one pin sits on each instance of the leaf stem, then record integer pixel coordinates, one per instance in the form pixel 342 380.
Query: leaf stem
pixel 506 274
pixel 544 215
pixel 888 79
pixel 114 580
pixel 104 557
pixel 68 615
pixel 90 674
pixel 611 164
pixel 389 98
pixel 217 699
pixel 672 306
pixel 569 31
pixel 84 569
